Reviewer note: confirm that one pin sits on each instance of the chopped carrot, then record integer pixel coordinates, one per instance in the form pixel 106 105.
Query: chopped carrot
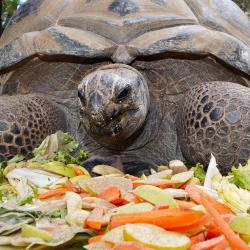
pixel 185 204
pixel 208 244
pixel 161 206
pixel 198 224
pixel 72 187
pixel 165 218
pixel 78 171
pixel 84 195
pixel 131 246
pixel 221 246
pixel 132 177
pixel 194 193
pixel 233 239
pixel 95 220
pixel 110 194
pixel 160 184
pixel 54 193
pixel 212 230
pixel 198 238
pixel 95 239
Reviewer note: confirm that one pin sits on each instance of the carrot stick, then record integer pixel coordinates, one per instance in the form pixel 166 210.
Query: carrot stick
pixel 95 239
pixel 208 244
pixel 195 193
pixel 200 223
pixel 131 246
pixel 160 184
pixel 221 246
pixel 111 194
pixel 165 218
pixel 78 171
pixel 233 239
pixel 54 193
pixel 197 238
pixel 95 219
pixel 185 204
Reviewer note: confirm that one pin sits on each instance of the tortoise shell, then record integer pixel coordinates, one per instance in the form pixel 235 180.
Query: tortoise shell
pixel 126 29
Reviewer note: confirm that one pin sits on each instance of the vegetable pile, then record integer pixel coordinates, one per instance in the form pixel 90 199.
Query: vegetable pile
pixel 51 201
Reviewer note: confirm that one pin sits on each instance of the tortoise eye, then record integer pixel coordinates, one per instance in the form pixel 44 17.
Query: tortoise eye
pixel 123 94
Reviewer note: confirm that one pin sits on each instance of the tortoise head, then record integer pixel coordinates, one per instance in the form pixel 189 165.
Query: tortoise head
pixel 114 102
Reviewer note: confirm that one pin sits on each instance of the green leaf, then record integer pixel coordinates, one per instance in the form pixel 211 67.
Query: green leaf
pixel 26 200
pixel 200 173
pixel 52 145
pixel 241 176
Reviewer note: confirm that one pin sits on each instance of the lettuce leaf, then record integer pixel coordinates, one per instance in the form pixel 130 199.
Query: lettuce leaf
pixel 200 173
pixel 52 144
pixel 59 147
pixel 241 176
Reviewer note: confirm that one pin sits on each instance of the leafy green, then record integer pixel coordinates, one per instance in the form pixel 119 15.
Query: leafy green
pixel 60 213
pixel 26 200
pixel 4 164
pixel 69 159
pixel 241 176
pixel 58 147
pixel 200 173
pixel 237 199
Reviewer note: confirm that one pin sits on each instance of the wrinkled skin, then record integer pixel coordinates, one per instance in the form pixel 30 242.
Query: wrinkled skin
pixel 183 94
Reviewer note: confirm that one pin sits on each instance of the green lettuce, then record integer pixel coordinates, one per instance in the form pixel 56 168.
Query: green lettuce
pixel 58 147
pixel 241 176
pixel 200 173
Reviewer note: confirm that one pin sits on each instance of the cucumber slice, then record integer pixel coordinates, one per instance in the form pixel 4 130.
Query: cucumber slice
pixel 32 231
pixel 241 224
pixel 155 237
pixel 155 195
pixel 114 236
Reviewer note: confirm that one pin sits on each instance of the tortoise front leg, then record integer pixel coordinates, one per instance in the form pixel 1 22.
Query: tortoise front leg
pixel 25 120
pixel 215 118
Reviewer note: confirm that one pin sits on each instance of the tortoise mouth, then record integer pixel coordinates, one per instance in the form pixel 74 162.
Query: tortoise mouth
pixel 115 125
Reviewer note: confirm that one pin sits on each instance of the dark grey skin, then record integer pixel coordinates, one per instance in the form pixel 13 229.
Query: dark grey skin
pixel 176 88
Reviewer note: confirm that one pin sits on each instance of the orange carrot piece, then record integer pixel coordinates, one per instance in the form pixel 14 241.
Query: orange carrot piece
pixel 221 246
pixel 165 218
pixel 208 244
pixel 95 239
pixel 198 238
pixel 195 195
pixel 95 219
pixel 111 194
pixel 72 187
pixel 78 171
pixel 161 206
pixel 233 239
pixel 54 193
pixel 131 246
pixel 160 184
pixel 84 195
pixel 200 223
pixel 132 177
pixel 185 204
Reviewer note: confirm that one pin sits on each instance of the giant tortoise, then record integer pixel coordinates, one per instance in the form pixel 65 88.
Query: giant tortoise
pixel 137 82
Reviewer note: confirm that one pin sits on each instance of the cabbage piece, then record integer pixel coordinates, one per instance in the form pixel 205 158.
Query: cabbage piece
pixel 12 221
pixel 45 207
pixel 37 177
pixel 212 170
pixel 241 176
pixel 237 199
